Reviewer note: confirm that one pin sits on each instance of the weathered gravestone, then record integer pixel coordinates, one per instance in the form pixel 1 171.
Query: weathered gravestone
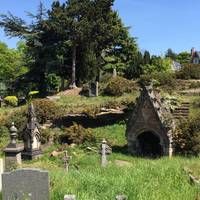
pixel 1 172
pixel 121 197
pixel 69 197
pixel 23 184
pixel 94 90
pixel 13 150
pixel 114 73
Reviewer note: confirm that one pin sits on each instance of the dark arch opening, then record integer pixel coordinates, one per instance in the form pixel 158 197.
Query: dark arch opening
pixel 149 145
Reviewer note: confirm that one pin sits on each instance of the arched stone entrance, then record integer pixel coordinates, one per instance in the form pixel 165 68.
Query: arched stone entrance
pixel 148 145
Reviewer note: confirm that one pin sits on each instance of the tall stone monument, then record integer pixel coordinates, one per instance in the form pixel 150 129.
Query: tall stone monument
pixel 13 150
pixel 150 128
pixel 32 137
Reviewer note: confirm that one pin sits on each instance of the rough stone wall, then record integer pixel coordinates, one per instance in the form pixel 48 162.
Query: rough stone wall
pixel 150 116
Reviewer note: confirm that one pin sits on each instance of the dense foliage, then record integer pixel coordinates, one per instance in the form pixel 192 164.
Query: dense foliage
pixel 75 40
pixel 77 134
pixel 47 110
pixel 189 71
pixel 12 65
pixel 11 101
pixel 117 86
pixel 187 137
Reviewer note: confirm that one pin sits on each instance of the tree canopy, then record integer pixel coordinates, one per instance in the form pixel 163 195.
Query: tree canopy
pixel 74 40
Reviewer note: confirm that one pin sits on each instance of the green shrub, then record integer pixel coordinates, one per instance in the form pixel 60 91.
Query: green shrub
pixel 166 80
pixel 32 94
pixel 196 103
pixel 19 117
pixel 194 85
pixel 85 90
pixel 77 134
pixel 189 71
pixel 46 110
pixel 45 134
pixel 11 101
pixel 187 137
pixel 53 83
pixel 117 86
pixel 172 101
pixel 106 77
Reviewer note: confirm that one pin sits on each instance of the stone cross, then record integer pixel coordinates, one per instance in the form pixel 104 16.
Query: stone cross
pixel 121 197
pixel 69 197
pixel 66 160
pixel 105 150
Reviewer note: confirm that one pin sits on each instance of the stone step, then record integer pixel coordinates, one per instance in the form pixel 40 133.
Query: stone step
pixel 182 108
pixel 180 116
pixel 180 112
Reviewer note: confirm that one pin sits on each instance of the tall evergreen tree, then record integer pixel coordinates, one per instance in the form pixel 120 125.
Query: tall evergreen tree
pixel 147 57
pixel 170 54
pixel 71 39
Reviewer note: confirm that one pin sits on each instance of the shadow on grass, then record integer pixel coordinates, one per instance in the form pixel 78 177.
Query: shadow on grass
pixel 89 122
pixel 120 149
pixel 124 150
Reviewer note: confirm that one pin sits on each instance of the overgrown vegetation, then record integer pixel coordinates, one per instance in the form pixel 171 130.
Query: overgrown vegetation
pixel 141 178
pixel 189 71
pixel 117 86
pixel 187 137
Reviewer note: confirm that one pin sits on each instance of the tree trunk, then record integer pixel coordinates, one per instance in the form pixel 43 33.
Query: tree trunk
pixel 73 84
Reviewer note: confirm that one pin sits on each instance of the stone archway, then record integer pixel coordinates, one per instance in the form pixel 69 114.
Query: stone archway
pixel 148 145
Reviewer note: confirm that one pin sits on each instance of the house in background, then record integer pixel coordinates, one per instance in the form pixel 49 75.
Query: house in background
pixel 195 56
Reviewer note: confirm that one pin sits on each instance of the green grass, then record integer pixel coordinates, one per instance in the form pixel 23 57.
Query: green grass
pixel 142 179
pixel 79 104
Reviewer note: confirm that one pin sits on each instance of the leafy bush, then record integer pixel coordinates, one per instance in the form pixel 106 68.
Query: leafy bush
pixel 106 77
pixel 46 110
pixel 189 71
pixel 194 85
pixel 166 80
pixel 196 103
pixel 19 117
pixel 11 101
pixel 117 86
pixel 45 134
pixel 53 83
pixel 85 90
pixel 187 137
pixel 31 94
pixel 77 134
pixel 172 102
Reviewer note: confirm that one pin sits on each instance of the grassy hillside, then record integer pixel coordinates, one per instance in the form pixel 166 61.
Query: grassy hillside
pixel 139 179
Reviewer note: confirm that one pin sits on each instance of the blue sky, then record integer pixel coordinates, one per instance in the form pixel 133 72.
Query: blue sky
pixel 157 24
